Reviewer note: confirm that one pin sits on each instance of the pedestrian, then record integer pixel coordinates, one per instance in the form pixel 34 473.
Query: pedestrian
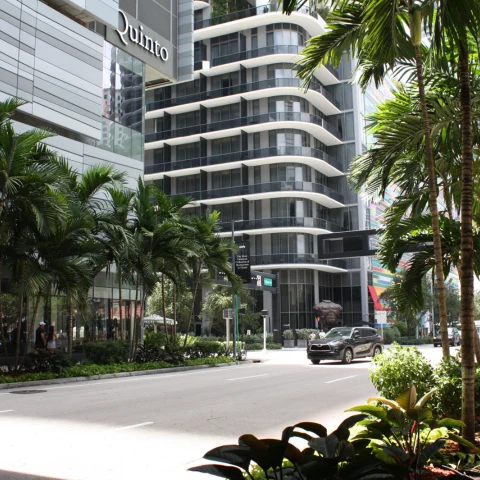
pixel 313 336
pixel 111 333
pixel 321 334
pixel 40 340
pixel 53 340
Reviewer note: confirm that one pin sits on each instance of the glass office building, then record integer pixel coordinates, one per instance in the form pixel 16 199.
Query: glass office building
pixel 83 68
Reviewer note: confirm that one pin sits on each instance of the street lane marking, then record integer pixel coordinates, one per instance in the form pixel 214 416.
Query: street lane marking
pixel 6 411
pixel 132 426
pixel 339 379
pixel 243 378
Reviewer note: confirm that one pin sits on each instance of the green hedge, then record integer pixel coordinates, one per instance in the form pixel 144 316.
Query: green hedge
pixel 91 370
pixel 390 335
pixel 107 353
pixel 414 341
pixel 259 346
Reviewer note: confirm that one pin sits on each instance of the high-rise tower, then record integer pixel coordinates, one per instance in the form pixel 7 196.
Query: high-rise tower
pixel 243 138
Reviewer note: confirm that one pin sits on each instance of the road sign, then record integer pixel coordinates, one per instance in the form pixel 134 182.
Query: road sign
pixel 268 282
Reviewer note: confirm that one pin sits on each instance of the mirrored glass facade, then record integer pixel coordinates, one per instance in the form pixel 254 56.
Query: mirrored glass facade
pixel 123 103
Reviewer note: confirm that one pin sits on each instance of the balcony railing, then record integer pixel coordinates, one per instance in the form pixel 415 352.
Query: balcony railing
pixel 243 156
pixel 244 121
pixel 238 89
pixel 269 187
pixel 249 12
pixel 283 222
pixel 258 52
pixel 296 258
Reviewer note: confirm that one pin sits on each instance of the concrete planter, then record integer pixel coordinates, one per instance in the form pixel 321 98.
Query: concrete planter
pixel 289 343
pixel 302 343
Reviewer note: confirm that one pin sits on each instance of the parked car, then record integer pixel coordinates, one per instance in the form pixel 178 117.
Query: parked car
pixel 454 337
pixel 345 344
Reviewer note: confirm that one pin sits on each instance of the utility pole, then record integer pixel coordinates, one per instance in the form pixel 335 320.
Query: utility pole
pixel 234 299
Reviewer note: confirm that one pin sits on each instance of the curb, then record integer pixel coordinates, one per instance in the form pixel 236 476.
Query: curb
pixel 158 371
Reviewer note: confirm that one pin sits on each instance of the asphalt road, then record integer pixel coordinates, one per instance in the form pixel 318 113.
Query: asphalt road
pixel 156 426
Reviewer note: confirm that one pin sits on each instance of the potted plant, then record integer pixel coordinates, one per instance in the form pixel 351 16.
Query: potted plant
pixel 302 337
pixel 288 338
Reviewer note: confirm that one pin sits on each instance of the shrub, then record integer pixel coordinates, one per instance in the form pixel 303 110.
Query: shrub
pixel 259 346
pixel 303 333
pixel 107 353
pixel 402 327
pixel 395 370
pixel 205 349
pixel 390 335
pixel 447 400
pixel 288 334
pixel 414 341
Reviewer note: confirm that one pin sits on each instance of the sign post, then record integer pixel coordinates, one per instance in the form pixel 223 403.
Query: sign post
pixel 264 315
pixel 380 318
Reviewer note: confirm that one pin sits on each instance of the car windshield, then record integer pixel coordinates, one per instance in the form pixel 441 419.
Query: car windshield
pixel 338 333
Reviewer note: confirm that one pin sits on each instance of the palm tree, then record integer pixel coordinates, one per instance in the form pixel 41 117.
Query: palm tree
pixel 161 243
pixel 374 31
pixel 30 202
pixel 212 254
pixel 119 240
pixel 383 36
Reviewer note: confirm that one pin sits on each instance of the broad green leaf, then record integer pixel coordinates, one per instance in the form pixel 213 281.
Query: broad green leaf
pixel 377 412
pixel 462 441
pixel 425 398
pixel 408 398
pixel 419 414
pixel 224 471
pixel 386 401
pixel 450 423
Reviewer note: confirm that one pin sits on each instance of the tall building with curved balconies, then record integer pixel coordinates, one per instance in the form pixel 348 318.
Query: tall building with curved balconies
pixel 243 138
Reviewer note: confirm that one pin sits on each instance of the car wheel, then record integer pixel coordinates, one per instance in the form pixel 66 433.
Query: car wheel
pixel 377 351
pixel 315 361
pixel 435 345
pixel 347 356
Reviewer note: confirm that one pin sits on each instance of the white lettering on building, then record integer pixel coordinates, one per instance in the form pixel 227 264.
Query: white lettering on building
pixel 137 36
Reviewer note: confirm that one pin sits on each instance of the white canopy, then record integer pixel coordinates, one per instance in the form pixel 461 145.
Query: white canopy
pixel 157 319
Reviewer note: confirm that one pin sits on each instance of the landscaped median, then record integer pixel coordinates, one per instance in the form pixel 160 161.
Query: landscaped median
pixel 95 372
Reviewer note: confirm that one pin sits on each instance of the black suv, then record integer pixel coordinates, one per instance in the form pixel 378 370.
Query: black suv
pixel 345 344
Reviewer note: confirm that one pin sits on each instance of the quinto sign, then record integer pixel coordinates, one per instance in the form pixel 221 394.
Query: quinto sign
pixel 137 36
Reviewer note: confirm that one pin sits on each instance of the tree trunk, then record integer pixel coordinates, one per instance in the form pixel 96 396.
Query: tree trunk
pixel 174 295
pixel 135 327
pixel 467 254
pixel 70 327
pixel 195 288
pixel 119 276
pixel 164 310
pixel 20 315
pixel 32 324
pixel 2 330
pixel 432 200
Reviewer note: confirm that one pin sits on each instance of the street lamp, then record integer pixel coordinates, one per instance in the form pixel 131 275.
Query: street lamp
pixel 234 297
pixel 264 315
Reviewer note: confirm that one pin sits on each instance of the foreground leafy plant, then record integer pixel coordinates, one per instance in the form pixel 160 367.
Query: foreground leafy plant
pixel 322 459
pixel 404 436
pixel 392 440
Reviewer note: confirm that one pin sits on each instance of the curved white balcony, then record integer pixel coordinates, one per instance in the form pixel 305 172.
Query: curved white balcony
pixel 312 157
pixel 260 191
pixel 257 17
pixel 261 57
pixel 200 4
pixel 295 260
pixel 316 95
pixel 316 126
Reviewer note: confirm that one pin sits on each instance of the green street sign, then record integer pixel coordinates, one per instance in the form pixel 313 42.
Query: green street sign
pixel 268 282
